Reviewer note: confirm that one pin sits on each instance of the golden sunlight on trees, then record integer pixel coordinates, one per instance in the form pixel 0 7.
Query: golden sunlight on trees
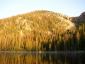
pixel 41 31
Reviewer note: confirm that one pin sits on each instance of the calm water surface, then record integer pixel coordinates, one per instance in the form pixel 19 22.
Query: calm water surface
pixel 42 58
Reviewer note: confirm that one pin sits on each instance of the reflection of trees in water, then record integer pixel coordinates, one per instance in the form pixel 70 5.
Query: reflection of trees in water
pixel 63 58
pixel 52 58
pixel 42 58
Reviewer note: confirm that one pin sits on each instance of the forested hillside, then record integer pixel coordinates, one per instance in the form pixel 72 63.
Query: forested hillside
pixel 41 31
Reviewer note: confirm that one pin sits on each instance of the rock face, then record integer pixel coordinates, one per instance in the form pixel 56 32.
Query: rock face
pixel 28 31
pixel 82 17
pixel 79 19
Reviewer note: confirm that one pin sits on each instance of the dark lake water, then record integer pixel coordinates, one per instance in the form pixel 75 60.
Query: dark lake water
pixel 42 58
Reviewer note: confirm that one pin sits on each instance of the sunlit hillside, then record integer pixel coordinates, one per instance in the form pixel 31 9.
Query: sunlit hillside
pixel 32 30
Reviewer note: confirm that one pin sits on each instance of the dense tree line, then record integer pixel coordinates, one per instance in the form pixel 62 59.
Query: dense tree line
pixel 69 41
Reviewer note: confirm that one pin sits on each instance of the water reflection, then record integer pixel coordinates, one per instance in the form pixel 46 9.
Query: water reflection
pixel 42 58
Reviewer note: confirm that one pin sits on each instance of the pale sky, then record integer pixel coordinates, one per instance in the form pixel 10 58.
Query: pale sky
pixel 14 7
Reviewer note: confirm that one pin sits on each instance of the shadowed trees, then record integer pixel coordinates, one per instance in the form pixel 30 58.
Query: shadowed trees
pixel 68 41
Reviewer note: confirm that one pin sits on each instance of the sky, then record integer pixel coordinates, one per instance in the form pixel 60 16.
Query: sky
pixel 67 7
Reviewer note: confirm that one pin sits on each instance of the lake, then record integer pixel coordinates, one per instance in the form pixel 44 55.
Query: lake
pixel 42 57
